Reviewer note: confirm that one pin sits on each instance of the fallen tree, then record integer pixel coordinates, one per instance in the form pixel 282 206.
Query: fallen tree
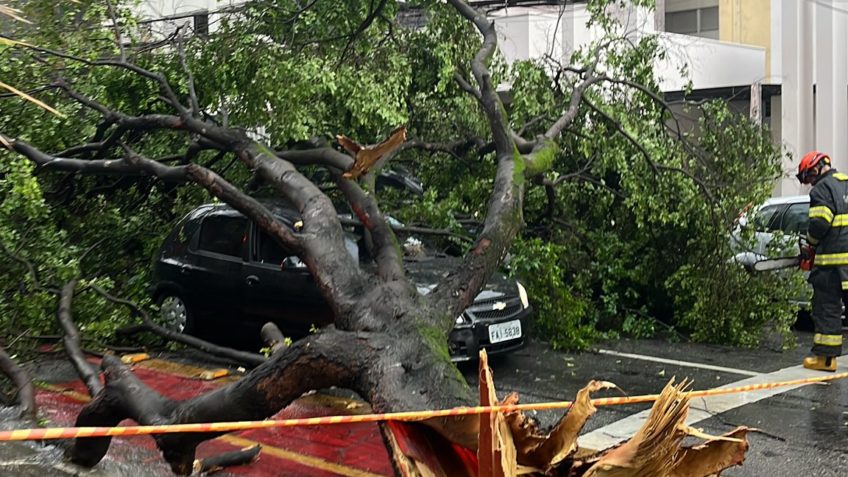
pixel 388 342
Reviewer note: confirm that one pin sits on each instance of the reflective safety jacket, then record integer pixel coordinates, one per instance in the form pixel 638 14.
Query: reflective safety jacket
pixel 828 229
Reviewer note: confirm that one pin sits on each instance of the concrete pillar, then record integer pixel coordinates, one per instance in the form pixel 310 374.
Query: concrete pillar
pixel 756 110
pixel 659 15
pixel 797 60
pixel 839 100
pixel 824 70
pixel 776 67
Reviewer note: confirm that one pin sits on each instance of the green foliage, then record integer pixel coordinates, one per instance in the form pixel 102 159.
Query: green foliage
pixel 559 309
pixel 619 246
pixel 637 240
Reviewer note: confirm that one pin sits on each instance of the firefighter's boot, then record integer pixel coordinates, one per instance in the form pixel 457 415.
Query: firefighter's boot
pixel 820 363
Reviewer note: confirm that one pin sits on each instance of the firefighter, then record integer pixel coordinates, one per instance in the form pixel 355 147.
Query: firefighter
pixel 827 247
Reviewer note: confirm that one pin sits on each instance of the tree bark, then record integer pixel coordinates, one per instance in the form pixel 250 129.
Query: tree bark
pixel 23 383
pixel 71 340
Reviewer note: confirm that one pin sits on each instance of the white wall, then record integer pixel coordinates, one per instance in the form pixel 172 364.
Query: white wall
pixel 156 9
pixel 534 32
pixel 711 63
pixel 813 52
pixel 164 8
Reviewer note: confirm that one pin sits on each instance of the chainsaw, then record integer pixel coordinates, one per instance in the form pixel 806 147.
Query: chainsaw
pixel 803 260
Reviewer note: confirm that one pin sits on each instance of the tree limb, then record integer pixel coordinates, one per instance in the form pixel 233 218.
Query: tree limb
pixel 148 324
pixel 574 103
pixel 386 252
pixel 330 358
pixel 324 156
pixel 71 340
pixel 23 383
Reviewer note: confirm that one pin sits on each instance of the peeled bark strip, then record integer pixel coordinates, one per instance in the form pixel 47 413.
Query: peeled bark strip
pixel 713 456
pixel 653 451
pixel 496 452
pixel 71 340
pixel 562 441
pixel 23 383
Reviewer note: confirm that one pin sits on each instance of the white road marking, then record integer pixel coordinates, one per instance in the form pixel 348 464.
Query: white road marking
pixel 701 408
pixel 688 364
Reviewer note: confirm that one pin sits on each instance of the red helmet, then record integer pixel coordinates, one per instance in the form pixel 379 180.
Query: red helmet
pixel 812 161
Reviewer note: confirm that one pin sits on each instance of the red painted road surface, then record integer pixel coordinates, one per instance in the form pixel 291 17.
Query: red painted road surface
pixel 349 449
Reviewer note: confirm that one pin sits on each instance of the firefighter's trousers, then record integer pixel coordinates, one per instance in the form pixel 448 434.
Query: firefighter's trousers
pixel 828 297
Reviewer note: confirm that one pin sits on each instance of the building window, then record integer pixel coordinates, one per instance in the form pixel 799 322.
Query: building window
pixel 201 24
pixel 701 22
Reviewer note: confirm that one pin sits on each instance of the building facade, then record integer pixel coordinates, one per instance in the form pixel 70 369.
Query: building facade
pixel 783 61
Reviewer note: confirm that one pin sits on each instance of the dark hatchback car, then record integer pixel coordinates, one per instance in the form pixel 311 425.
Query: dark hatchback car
pixel 217 267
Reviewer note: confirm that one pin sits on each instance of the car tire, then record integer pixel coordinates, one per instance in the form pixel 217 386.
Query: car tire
pixel 175 313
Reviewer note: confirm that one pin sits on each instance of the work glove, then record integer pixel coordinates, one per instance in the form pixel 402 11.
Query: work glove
pixel 808 256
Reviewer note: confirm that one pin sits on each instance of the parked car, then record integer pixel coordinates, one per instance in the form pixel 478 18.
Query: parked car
pixel 783 218
pixel 218 266
pixel 778 224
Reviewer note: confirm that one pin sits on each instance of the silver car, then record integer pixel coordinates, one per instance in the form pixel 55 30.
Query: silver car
pixel 777 226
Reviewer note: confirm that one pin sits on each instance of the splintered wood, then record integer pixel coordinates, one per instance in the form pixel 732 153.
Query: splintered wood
pixel 366 156
pixel 511 444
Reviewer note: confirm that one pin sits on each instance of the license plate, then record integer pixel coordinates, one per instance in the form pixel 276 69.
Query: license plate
pixel 504 331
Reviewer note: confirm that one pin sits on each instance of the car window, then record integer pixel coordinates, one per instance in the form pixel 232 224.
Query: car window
pixel 795 219
pixel 223 234
pixel 764 219
pixel 269 250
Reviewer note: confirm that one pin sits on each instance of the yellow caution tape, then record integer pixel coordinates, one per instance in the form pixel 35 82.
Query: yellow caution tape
pixel 75 432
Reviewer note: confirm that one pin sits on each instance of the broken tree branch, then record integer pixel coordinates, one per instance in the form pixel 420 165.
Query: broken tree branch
pixel 330 358
pixel 71 340
pixel 22 382
pixel 251 359
pixel 389 261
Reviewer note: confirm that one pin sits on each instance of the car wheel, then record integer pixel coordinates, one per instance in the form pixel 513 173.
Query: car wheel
pixel 175 313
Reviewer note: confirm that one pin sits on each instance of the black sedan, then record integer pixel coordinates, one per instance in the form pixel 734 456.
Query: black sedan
pixel 218 266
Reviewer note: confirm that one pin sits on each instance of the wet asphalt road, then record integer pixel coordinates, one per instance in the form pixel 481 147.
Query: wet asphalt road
pixel 804 431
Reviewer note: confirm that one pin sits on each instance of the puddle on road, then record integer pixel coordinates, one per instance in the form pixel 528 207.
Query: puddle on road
pixel 35 459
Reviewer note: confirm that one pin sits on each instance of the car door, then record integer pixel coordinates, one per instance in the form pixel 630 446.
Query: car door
pixel 278 287
pixel 212 279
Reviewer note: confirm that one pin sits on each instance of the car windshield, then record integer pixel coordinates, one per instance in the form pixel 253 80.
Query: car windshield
pixel 763 219
pixel 795 219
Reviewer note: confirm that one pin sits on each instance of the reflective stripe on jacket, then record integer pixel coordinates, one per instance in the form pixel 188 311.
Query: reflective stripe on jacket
pixel 828 229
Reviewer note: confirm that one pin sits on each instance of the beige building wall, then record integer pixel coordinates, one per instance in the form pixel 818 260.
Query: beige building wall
pixel 747 22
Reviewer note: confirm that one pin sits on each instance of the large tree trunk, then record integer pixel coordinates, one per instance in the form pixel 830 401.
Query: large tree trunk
pixel 394 371
pixel 388 343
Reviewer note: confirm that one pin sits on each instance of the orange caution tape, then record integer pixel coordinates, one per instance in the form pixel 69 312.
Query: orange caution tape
pixel 74 432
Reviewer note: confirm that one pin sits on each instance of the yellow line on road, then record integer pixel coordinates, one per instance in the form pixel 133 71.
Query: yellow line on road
pixel 301 459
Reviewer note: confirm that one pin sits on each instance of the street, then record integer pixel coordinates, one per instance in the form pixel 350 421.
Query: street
pixel 804 431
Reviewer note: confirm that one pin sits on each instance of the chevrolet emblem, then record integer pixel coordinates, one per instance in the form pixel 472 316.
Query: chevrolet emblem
pixel 499 305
